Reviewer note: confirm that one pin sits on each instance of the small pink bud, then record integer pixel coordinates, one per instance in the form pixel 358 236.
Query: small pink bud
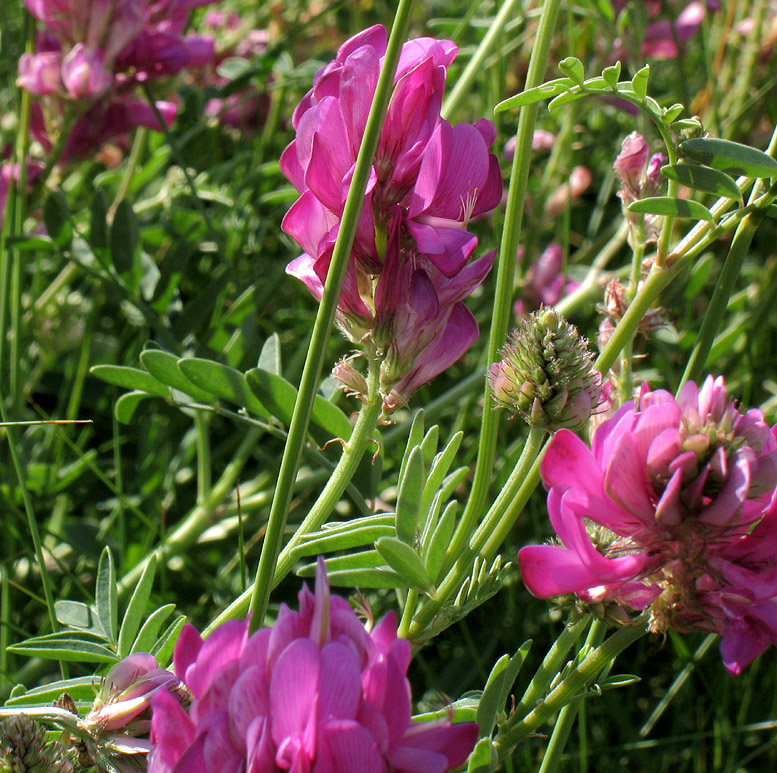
pixel 630 164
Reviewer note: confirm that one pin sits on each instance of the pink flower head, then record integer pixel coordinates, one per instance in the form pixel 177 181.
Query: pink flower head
pixel 314 692
pixel 104 48
pixel 409 267
pixel 671 508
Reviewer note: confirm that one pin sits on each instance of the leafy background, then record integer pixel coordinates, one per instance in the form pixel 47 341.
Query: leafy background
pixel 193 265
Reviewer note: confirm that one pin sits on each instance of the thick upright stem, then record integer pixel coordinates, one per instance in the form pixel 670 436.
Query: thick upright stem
pixel 511 235
pixel 326 313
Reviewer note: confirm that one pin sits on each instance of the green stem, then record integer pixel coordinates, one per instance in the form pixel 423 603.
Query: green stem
pixel 314 361
pixel 724 287
pixel 32 525
pixel 138 146
pixel 570 687
pixel 549 667
pixel 491 532
pixel 201 517
pixel 10 290
pixel 658 278
pixel 407 613
pixel 499 520
pixel 511 235
pixel 353 451
pixel 474 68
pixel 567 715
pixel 203 457
pixel 676 686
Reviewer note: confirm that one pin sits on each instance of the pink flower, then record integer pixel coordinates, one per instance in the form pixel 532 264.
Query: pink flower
pixel 409 269
pixel 672 508
pixel 662 37
pixel 638 175
pixel 96 53
pixel 314 692
pixel 578 182
pixel 120 717
pixel 546 284
pixel 83 73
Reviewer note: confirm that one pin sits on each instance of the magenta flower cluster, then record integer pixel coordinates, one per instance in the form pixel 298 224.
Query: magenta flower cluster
pixel 672 509
pixel 246 109
pixel 409 269
pixel 316 692
pixel 94 53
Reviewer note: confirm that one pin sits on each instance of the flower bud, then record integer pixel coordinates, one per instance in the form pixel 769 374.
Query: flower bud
pixel 545 374
pixel 23 748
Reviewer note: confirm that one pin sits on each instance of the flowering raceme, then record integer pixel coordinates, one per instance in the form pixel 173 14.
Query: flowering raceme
pixel 314 692
pixel 673 508
pixel 409 267
pixel 92 54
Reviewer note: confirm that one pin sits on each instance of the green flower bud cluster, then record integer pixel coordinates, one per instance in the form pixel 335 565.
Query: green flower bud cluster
pixel 546 373
pixel 23 748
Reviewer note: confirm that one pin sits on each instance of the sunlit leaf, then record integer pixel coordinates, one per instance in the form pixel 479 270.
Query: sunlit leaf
pixel 537 94
pixel 130 378
pixel 666 205
pixel 703 178
pixel 729 157
pixel 405 562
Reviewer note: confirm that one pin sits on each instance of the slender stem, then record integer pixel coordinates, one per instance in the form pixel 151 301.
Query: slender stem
pixel 658 278
pixel 716 309
pixel 407 613
pixel 550 666
pixel 491 532
pixel 570 687
pixel 675 687
pixel 11 290
pixel 500 519
pixel 203 457
pixel 32 525
pixel 138 146
pixel 474 67
pixel 201 517
pixel 567 715
pixel 325 317
pixel 511 235
pixel 353 451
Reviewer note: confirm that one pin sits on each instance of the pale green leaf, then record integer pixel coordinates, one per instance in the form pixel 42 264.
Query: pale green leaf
pixel 537 94
pixel 224 382
pixel 405 562
pixel 136 609
pixel 106 596
pixel 130 378
pixel 729 157
pixel 703 178
pixel 668 206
